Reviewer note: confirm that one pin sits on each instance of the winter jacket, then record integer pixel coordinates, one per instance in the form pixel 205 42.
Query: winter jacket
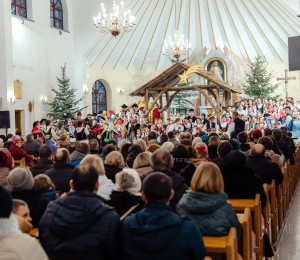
pixel 173 141
pixel 240 182
pixel 18 246
pixel 4 171
pixel 80 226
pixel 52 146
pixel 288 154
pixel 36 203
pixel 220 161
pixel 197 161
pixel 111 171
pixel 122 201
pixel 245 149
pixel 8 144
pixel 212 152
pixel 178 185
pixel 157 232
pixel 131 157
pixel 106 187
pixel 133 129
pixel 60 175
pixel 279 159
pixel 210 211
pixel 19 153
pixel 143 171
pixel 290 143
pixel 76 158
pixel 185 169
pixel 32 148
pixel 265 169
pixel 41 166
pixel 50 195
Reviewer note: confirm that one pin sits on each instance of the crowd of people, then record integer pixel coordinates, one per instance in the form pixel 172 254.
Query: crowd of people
pixel 151 193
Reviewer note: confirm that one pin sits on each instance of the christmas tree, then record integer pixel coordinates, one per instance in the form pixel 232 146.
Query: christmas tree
pixel 259 80
pixel 64 105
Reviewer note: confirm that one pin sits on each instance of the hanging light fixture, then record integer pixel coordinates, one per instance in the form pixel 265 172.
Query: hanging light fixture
pixel 116 22
pixel 178 47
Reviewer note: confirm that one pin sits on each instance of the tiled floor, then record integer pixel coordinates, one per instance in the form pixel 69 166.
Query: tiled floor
pixel 289 245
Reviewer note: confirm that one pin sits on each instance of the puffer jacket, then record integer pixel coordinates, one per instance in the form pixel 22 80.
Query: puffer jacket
pixel 19 153
pixel 32 148
pixel 80 226
pixel 210 211
pixel 41 166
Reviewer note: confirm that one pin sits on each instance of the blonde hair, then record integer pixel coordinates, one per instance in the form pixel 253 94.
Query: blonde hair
pixel 114 158
pixel 213 141
pixel 141 143
pixel 16 204
pixel 196 140
pixel 40 142
pixel 152 148
pixel 43 181
pixel 201 155
pixel 142 160
pixel 96 161
pixel 207 178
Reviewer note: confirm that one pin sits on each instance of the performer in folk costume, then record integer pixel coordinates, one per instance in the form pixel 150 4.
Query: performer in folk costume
pixel 192 116
pixel 176 126
pixel 288 121
pixel 223 126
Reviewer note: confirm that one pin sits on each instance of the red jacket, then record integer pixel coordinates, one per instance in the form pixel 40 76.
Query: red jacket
pixel 18 153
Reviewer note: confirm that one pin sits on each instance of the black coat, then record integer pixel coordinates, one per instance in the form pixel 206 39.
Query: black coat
pixel 41 166
pixel 186 173
pixel 36 203
pixel 32 148
pixel 288 154
pixel 131 157
pixel 8 144
pixel 111 171
pixel 133 129
pixel 123 201
pixel 290 143
pixel 80 226
pixel 220 161
pixel 212 152
pixel 178 185
pixel 265 169
pixel 239 123
pixel 60 175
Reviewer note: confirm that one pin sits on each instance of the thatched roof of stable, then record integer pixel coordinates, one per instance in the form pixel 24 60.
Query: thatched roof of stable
pixel 170 77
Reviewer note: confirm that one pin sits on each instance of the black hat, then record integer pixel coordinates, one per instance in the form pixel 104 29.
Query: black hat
pixel 6 203
pixel 191 110
pixel 123 106
pixel 266 115
pixel 134 105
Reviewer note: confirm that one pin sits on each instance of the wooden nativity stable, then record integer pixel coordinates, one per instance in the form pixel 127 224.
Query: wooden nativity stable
pixel 164 84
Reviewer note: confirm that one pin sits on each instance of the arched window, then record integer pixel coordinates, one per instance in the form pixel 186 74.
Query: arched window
pixel 56 12
pixel 18 7
pixel 99 97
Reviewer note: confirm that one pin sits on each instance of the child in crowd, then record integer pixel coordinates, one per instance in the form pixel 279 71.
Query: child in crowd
pixel 132 138
pixel 138 134
pixel 44 182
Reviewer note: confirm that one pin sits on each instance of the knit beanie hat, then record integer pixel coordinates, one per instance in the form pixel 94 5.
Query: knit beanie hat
pixel 20 178
pixel 257 134
pixel 204 138
pixel 238 143
pixel 6 203
pixel 129 180
pixel 17 140
pixel 5 158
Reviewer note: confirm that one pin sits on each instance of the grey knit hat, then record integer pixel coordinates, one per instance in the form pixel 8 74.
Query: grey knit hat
pixel 20 178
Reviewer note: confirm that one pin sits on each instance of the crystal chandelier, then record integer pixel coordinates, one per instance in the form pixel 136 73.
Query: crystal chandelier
pixel 116 22
pixel 177 47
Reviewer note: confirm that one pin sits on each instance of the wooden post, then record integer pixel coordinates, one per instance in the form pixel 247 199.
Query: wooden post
pixel 167 99
pixel 146 102
pixel 160 107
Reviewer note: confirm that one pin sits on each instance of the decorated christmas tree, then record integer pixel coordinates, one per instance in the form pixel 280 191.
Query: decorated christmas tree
pixel 259 82
pixel 64 105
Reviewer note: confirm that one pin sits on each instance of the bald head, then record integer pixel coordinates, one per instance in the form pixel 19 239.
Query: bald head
pixel 258 150
pixel 186 135
pixel 61 155
pixel 161 160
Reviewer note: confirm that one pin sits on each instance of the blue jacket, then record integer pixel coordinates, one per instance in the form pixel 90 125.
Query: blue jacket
pixel 51 145
pixel 211 212
pixel 50 195
pixel 157 232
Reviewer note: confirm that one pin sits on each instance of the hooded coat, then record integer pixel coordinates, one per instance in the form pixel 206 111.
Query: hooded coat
pixel 210 211
pixel 288 154
pixel 185 169
pixel 76 158
pixel 157 232
pixel 111 171
pixel 41 166
pixel 131 157
pixel 80 226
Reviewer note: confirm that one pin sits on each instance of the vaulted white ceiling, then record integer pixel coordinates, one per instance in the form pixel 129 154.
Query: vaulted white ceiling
pixel 244 26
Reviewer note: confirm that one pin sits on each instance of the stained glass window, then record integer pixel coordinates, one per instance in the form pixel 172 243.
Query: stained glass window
pixel 99 97
pixel 56 14
pixel 18 7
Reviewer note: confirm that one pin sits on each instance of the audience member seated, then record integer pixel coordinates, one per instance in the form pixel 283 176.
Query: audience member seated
pixel 13 243
pixel 123 142
pixel 51 144
pixel 82 150
pixel 186 135
pixel 127 195
pixel 172 139
pixel 44 163
pixel 202 153
pixel 234 145
pixel 9 141
pixel 133 152
pixel 163 139
pixel 124 151
pixel 18 152
pixel 288 154
pixel 63 142
pixel 108 149
pixel 21 212
pixel 213 143
pixel 265 169
pixel 267 142
pixel 80 225
pixel 106 186
pixel 288 140
pixel 39 141
pixel 207 205
pixel 224 148
pixel 94 147
pixel 157 232
pixel 245 147
pixel 256 135
pixel 36 130
pixel 161 161
pixel 240 182
pixel 152 138
pixel 21 181
pixel 113 165
pixel 31 147
pixel 196 140
pixel 6 164
pixel 44 182
pixel 152 148
pixel 186 142
pixel 61 173
pixel 72 147
pixel 180 163
pixel 168 146
pixel 142 163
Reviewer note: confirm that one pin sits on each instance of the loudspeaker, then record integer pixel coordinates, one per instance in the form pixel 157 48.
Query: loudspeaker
pixel 4 119
pixel 294 53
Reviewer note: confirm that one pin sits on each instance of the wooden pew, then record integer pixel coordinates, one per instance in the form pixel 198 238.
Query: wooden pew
pixel 267 213
pixel 36 159
pixel 246 222
pixel 227 245
pixel 34 232
pixel 21 162
pixel 271 188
